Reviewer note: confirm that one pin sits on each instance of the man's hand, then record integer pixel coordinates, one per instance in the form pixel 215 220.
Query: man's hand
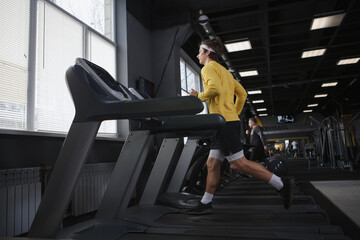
pixel 266 148
pixel 194 93
pixel 247 132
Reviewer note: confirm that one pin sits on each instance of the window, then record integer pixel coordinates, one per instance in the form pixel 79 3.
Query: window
pixel 102 52
pixel 14 28
pixel 60 39
pixel 95 13
pixel 59 43
pixel 190 79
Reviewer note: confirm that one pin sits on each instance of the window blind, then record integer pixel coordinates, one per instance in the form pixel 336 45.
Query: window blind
pixel 95 13
pixel 102 53
pixel 59 43
pixel 14 42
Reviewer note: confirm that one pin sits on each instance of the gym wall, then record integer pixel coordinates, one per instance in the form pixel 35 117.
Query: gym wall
pixel 22 151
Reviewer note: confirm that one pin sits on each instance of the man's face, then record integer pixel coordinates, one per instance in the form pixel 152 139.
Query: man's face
pixel 251 123
pixel 202 56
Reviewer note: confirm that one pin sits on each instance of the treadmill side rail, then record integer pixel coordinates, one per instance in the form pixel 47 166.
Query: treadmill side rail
pixel 160 171
pixel 125 174
pixel 182 165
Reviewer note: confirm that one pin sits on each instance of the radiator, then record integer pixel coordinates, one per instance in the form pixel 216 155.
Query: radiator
pixel 20 195
pixel 91 187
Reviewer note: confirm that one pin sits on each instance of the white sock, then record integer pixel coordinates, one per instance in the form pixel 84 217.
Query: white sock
pixel 276 182
pixel 207 198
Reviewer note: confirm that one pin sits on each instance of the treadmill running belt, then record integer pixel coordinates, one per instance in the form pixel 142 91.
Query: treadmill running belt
pixel 239 218
pixel 139 236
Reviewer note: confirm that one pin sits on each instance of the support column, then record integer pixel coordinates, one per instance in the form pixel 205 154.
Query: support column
pixel 182 166
pixel 125 175
pixel 160 171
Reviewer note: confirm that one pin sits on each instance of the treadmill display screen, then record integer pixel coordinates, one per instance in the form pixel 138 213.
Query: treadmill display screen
pixel 106 77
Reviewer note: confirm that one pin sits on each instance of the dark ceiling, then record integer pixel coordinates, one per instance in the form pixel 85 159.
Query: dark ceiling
pixel 279 31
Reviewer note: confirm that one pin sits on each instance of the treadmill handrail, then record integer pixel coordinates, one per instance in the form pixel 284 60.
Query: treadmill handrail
pixel 181 124
pixel 191 123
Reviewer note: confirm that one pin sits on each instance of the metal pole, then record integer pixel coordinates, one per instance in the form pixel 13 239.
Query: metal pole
pixel 331 145
pixel 323 133
pixel 350 161
pixel 341 148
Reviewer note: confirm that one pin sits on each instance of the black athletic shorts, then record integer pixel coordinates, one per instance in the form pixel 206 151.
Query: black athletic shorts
pixel 258 153
pixel 227 139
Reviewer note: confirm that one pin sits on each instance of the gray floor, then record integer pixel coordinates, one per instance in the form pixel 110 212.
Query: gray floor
pixel 344 194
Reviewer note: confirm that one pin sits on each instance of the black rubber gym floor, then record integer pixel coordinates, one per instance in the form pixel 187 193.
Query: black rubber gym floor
pixel 298 168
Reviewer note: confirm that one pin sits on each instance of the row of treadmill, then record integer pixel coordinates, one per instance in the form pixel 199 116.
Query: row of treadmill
pixel 243 209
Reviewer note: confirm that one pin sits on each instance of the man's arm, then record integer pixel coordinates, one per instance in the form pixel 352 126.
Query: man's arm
pixel 241 95
pixel 259 132
pixel 213 84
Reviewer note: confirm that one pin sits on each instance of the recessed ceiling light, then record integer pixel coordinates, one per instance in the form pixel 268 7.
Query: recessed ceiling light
pixel 261 109
pixel 313 53
pixel 307 110
pixel 330 84
pixel 254 92
pixel 263 115
pixel 327 21
pixel 348 61
pixel 320 95
pixel 313 105
pixel 249 73
pixel 258 101
pixel 238 46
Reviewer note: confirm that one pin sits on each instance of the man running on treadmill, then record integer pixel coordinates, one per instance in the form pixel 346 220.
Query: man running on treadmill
pixel 220 87
pixel 257 140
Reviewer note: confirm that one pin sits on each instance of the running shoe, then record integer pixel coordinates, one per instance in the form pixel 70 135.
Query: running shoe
pixel 200 209
pixel 287 191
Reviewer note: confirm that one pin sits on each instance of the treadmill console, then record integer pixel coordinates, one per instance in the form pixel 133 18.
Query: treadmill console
pixel 105 80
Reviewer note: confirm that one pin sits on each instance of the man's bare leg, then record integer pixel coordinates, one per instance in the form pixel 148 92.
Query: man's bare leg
pixel 252 168
pixel 248 167
pixel 212 182
pixel 213 175
pixel 284 185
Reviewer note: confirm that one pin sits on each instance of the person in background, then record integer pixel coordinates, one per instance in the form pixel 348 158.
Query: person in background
pixel 257 140
pixel 294 148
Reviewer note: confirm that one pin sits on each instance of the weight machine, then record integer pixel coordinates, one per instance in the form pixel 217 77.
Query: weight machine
pixel 331 140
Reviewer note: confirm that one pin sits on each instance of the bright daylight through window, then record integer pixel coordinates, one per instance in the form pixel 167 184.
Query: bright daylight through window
pixel 95 13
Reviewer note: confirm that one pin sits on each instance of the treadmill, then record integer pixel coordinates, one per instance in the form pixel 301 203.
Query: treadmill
pixel 97 97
